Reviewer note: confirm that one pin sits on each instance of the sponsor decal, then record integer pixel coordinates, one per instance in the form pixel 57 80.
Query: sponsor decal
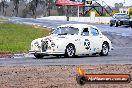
pixel 83 78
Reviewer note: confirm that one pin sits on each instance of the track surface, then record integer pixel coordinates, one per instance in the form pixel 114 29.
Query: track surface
pixel 121 38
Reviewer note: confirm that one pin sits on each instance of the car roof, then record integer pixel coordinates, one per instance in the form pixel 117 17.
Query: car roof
pixel 79 26
pixel 121 14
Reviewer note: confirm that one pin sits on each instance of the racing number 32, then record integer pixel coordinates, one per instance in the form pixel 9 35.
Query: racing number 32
pixel 87 44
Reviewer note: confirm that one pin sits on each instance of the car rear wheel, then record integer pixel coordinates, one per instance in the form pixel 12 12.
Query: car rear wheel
pixel 105 50
pixel 38 55
pixel 70 51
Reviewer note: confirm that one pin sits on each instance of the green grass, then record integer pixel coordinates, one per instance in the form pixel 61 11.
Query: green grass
pixel 16 38
pixel 131 16
pixel 1 19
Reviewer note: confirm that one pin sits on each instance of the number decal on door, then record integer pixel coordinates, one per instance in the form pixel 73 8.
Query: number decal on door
pixel 87 44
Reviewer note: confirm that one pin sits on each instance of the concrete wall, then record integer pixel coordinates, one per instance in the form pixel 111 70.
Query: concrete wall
pixel 102 20
pixel 54 18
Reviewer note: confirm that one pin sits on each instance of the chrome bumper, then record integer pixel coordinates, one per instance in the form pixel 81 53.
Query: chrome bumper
pixel 46 53
pixel 33 52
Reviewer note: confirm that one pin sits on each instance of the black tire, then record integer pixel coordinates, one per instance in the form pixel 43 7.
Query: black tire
pixel 131 26
pixel 58 56
pixel 105 49
pixel 130 23
pixel 81 80
pixel 38 55
pixel 111 24
pixel 116 24
pixel 70 51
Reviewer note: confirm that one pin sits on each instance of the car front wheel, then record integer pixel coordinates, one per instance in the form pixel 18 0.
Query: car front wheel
pixel 116 24
pixel 38 55
pixel 70 51
pixel 131 26
pixel 111 24
pixel 105 50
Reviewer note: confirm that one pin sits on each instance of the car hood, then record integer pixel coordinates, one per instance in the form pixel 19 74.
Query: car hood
pixel 55 37
pixel 131 19
pixel 124 19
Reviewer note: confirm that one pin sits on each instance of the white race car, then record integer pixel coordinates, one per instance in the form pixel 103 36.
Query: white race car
pixel 71 40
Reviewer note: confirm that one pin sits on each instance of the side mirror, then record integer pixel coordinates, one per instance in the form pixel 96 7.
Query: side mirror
pixel 83 34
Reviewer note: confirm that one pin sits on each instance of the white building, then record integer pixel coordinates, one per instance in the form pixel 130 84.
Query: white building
pixel 124 10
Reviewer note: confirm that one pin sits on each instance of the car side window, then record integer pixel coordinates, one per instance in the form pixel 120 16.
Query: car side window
pixel 85 32
pixel 94 32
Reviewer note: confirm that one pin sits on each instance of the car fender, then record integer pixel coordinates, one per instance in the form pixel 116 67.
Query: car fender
pixel 105 39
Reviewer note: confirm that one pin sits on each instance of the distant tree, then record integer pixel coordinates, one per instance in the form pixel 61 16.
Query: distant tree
pixel 25 12
pixel 118 6
pixel 114 11
pixel 3 6
pixel 44 6
pixel 50 6
pixel 130 11
pixel 32 7
pixel 16 7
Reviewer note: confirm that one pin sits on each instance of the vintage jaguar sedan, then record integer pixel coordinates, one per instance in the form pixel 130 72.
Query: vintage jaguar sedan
pixel 70 40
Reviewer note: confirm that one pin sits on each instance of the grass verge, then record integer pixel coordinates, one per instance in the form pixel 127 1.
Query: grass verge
pixel 16 38
pixel 2 19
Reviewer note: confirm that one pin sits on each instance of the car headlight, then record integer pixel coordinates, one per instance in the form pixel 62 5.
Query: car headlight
pixel 36 43
pixel 52 44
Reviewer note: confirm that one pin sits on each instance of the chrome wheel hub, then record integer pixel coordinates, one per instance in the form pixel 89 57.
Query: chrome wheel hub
pixel 70 51
pixel 105 49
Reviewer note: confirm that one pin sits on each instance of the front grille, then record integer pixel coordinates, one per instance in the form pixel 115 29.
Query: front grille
pixel 44 46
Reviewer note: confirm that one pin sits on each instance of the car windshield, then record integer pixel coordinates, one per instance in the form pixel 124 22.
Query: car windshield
pixel 66 30
pixel 122 16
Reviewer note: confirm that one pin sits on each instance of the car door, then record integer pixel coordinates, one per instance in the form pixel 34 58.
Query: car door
pixel 85 44
pixel 96 39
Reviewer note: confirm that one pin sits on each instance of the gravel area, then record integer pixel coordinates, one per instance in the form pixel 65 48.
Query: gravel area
pixel 39 76
pixel 5 55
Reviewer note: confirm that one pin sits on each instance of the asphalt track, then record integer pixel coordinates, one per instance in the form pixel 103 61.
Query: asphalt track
pixel 121 38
